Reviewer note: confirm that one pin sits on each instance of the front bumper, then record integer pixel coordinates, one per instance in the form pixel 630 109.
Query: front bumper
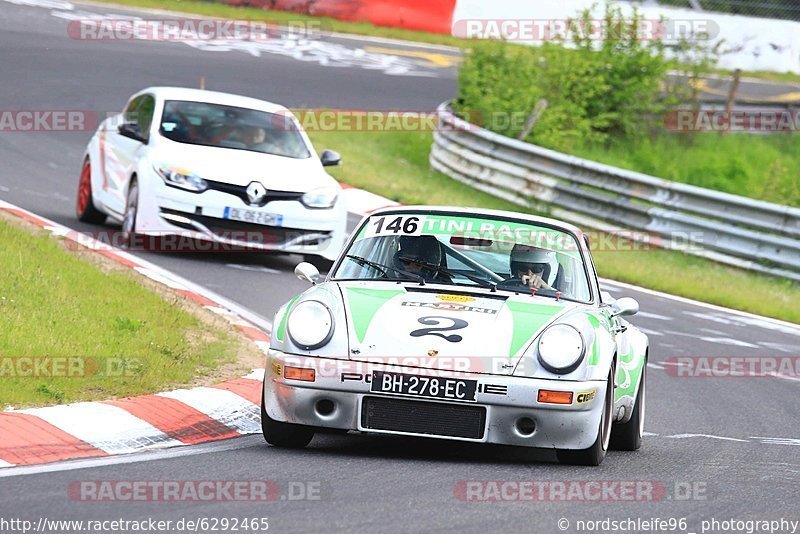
pixel 335 399
pixel 201 216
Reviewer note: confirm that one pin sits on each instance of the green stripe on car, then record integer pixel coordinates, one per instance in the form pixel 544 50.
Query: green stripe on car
pixel 281 331
pixel 364 304
pixel 528 319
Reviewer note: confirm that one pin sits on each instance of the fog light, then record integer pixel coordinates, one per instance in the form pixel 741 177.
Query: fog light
pixel 325 407
pixel 525 426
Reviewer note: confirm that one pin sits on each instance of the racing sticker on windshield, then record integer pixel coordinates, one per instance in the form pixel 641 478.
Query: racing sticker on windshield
pixel 485 234
pixel 395 225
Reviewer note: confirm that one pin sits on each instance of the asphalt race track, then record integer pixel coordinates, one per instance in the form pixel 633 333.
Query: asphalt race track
pixel 734 441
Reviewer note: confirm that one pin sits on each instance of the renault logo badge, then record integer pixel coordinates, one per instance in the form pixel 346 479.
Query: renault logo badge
pixel 256 193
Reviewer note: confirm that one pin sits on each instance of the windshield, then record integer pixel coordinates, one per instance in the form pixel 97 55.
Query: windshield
pixel 501 254
pixel 201 123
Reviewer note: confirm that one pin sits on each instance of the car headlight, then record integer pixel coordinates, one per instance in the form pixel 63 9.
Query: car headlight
pixel 181 179
pixel 310 325
pixel 323 197
pixel 561 348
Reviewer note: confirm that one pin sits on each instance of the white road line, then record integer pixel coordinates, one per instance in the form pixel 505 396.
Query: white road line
pixel 710 436
pixel 712 331
pixel 728 341
pixel 777 441
pixel 648 315
pixel 675 333
pixel 225 406
pixel 649 332
pixel 782 347
pixel 652 365
pixel 255 268
pixel 4 464
pixel 160 277
pixel 785 377
pixel 106 427
pixel 243 442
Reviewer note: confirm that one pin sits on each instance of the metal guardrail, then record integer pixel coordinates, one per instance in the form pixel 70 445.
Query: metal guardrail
pixel 731 229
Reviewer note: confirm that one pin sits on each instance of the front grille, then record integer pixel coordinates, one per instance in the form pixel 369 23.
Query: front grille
pixel 241 192
pixel 420 417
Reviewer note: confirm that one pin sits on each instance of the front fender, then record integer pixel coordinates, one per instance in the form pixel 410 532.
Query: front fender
pixel 328 293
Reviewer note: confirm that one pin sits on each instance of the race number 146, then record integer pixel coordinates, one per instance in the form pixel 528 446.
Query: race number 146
pixel 395 225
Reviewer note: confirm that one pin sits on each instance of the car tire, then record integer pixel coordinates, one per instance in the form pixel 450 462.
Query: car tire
pixel 628 436
pixel 323 265
pixel 595 454
pixel 131 213
pixel 85 205
pixel 284 435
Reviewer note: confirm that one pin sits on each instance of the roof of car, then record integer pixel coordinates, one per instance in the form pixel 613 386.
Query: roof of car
pixel 486 212
pixel 213 97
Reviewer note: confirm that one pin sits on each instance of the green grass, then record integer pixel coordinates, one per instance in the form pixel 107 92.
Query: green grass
pixel 126 339
pixel 327 24
pixel 764 167
pixel 395 165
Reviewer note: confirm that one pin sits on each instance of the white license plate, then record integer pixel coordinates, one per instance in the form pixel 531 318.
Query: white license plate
pixel 252 216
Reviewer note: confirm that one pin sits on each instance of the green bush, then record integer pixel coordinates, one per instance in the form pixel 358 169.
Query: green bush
pixel 594 89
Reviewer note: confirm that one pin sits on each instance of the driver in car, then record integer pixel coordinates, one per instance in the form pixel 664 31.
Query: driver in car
pixel 421 255
pixel 532 266
pixel 252 136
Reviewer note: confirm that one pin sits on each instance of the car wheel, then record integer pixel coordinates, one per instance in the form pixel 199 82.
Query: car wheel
pixel 131 211
pixel 323 265
pixel 85 206
pixel 595 454
pixel 284 435
pixel 628 436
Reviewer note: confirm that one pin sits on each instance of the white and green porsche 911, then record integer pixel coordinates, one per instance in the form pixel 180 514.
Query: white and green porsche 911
pixel 459 324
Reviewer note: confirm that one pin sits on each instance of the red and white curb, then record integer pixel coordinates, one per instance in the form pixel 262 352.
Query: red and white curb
pixel 169 419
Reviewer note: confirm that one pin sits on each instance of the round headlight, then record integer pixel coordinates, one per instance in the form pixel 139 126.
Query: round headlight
pixel 310 325
pixel 561 348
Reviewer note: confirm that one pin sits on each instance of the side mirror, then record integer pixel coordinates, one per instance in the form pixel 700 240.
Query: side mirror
pixel 131 130
pixel 306 271
pixel 625 306
pixel 330 158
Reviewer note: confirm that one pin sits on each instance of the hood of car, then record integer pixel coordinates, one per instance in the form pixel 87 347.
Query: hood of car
pixel 241 167
pixel 444 329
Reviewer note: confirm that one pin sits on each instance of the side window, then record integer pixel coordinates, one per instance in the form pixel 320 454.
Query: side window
pixel 140 111
pixel 130 112
pixel 144 114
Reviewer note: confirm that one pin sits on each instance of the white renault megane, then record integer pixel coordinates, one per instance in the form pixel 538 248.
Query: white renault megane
pixel 216 167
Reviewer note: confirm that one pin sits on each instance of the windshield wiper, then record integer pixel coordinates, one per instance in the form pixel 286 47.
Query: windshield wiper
pixel 384 268
pixel 476 279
